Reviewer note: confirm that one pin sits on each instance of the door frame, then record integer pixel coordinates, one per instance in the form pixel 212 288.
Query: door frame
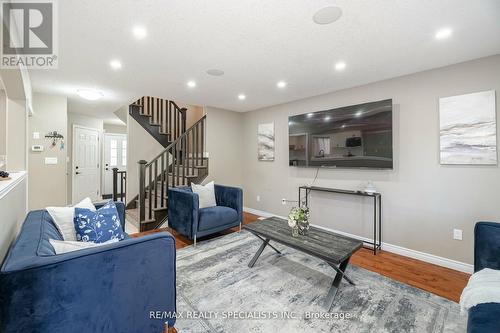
pixel 103 158
pixel 73 155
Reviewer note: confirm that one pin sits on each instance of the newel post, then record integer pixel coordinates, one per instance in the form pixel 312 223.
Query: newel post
pixel 115 184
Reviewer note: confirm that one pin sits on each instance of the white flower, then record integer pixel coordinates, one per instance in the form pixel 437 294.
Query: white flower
pixel 292 223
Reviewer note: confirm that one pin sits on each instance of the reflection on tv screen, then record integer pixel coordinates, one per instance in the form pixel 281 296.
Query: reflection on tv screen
pixel 356 136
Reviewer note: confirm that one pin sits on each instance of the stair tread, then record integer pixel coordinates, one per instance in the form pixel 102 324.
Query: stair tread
pixel 153 124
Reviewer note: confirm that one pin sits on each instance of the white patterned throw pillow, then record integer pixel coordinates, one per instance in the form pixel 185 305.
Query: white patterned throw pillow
pixel 206 194
pixel 63 218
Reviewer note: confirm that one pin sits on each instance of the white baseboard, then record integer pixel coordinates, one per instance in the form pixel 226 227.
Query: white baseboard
pixel 430 258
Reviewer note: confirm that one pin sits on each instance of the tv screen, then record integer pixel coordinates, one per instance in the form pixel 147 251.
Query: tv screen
pixel 357 136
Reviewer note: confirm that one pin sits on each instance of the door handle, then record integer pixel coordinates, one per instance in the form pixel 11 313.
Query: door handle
pixel 77 173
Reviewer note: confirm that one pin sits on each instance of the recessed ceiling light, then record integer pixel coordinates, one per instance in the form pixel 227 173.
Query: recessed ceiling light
pixel 359 114
pixel 281 84
pixel 443 33
pixel 343 126
pixel 191 84
pixel 340 66
pixel 115 64
pixel 309 115
pixel 327 118
pixel 327 15
pixel 215 72
pixel 139 32
pixel 241 97
pixel 89 94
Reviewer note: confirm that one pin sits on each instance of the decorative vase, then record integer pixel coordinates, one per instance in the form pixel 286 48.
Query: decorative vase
pixel 303 227
pixel 298 220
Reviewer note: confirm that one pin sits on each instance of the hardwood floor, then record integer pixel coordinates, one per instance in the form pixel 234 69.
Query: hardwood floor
pixel 438 280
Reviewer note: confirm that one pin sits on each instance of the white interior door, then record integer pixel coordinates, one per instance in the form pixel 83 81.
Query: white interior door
pixel 86 175
pixel 115 156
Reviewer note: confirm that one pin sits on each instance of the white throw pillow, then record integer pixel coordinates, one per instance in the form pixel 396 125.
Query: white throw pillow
pixel 70 246
pixel 206 194
pixel 63 218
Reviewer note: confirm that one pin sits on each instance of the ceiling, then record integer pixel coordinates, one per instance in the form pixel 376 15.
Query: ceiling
pixel 256 43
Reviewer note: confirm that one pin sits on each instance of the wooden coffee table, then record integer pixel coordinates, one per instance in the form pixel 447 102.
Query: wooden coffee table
pixel 333 248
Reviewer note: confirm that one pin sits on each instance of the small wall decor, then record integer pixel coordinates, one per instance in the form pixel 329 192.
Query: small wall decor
pixel 468 129
pixel 265 142
pixel 55 138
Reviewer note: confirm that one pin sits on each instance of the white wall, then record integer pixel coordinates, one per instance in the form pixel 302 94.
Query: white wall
pixel 224 146
pixel 122 113
pixel 116 129
pixel 85 121
pixel 17 118
pixel 422 200
pixel 3 123
pixel 141 146
pixel 50 114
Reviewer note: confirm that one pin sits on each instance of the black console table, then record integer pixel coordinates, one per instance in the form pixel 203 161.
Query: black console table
pixel 376 244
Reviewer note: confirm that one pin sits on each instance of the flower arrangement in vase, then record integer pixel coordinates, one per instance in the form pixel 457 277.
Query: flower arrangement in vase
pixel 298 220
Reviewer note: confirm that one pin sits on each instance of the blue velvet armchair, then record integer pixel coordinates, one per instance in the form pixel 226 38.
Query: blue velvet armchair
pixel 186 218
pixel 485 318
pixel 112 288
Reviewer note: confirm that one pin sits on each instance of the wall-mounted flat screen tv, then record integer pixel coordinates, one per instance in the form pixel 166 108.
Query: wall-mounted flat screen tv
pixel 357 136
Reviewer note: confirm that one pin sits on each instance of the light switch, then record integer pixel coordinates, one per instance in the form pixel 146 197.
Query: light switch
pixel 50 160
pixel 36 135
pixel 37 148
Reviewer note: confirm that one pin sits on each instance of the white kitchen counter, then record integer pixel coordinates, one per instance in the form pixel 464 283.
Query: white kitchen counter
pixel 7 185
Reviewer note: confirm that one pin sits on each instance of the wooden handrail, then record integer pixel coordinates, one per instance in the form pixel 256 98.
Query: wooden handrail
pixel 174 142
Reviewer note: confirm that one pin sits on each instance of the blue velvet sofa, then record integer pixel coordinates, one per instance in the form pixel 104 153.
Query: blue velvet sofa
pixel 112 288
pixel 485 318
pixel 186 218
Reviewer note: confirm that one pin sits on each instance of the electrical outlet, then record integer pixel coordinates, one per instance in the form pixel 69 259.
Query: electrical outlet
pixel 283 201
pixel 258 198
pixel 457 234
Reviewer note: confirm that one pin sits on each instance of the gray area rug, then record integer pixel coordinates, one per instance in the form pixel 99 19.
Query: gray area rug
pixel 217 292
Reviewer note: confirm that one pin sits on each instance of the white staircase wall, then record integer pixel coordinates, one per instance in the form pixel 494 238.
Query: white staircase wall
pixel 141 146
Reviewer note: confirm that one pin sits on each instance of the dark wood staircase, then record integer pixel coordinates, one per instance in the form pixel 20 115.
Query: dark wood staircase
pixel 161 118
pixel 182 161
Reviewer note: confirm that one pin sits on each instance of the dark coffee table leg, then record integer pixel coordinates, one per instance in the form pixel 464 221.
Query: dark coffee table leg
pixel 275 249
pixel 265 242
pixel 330 298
